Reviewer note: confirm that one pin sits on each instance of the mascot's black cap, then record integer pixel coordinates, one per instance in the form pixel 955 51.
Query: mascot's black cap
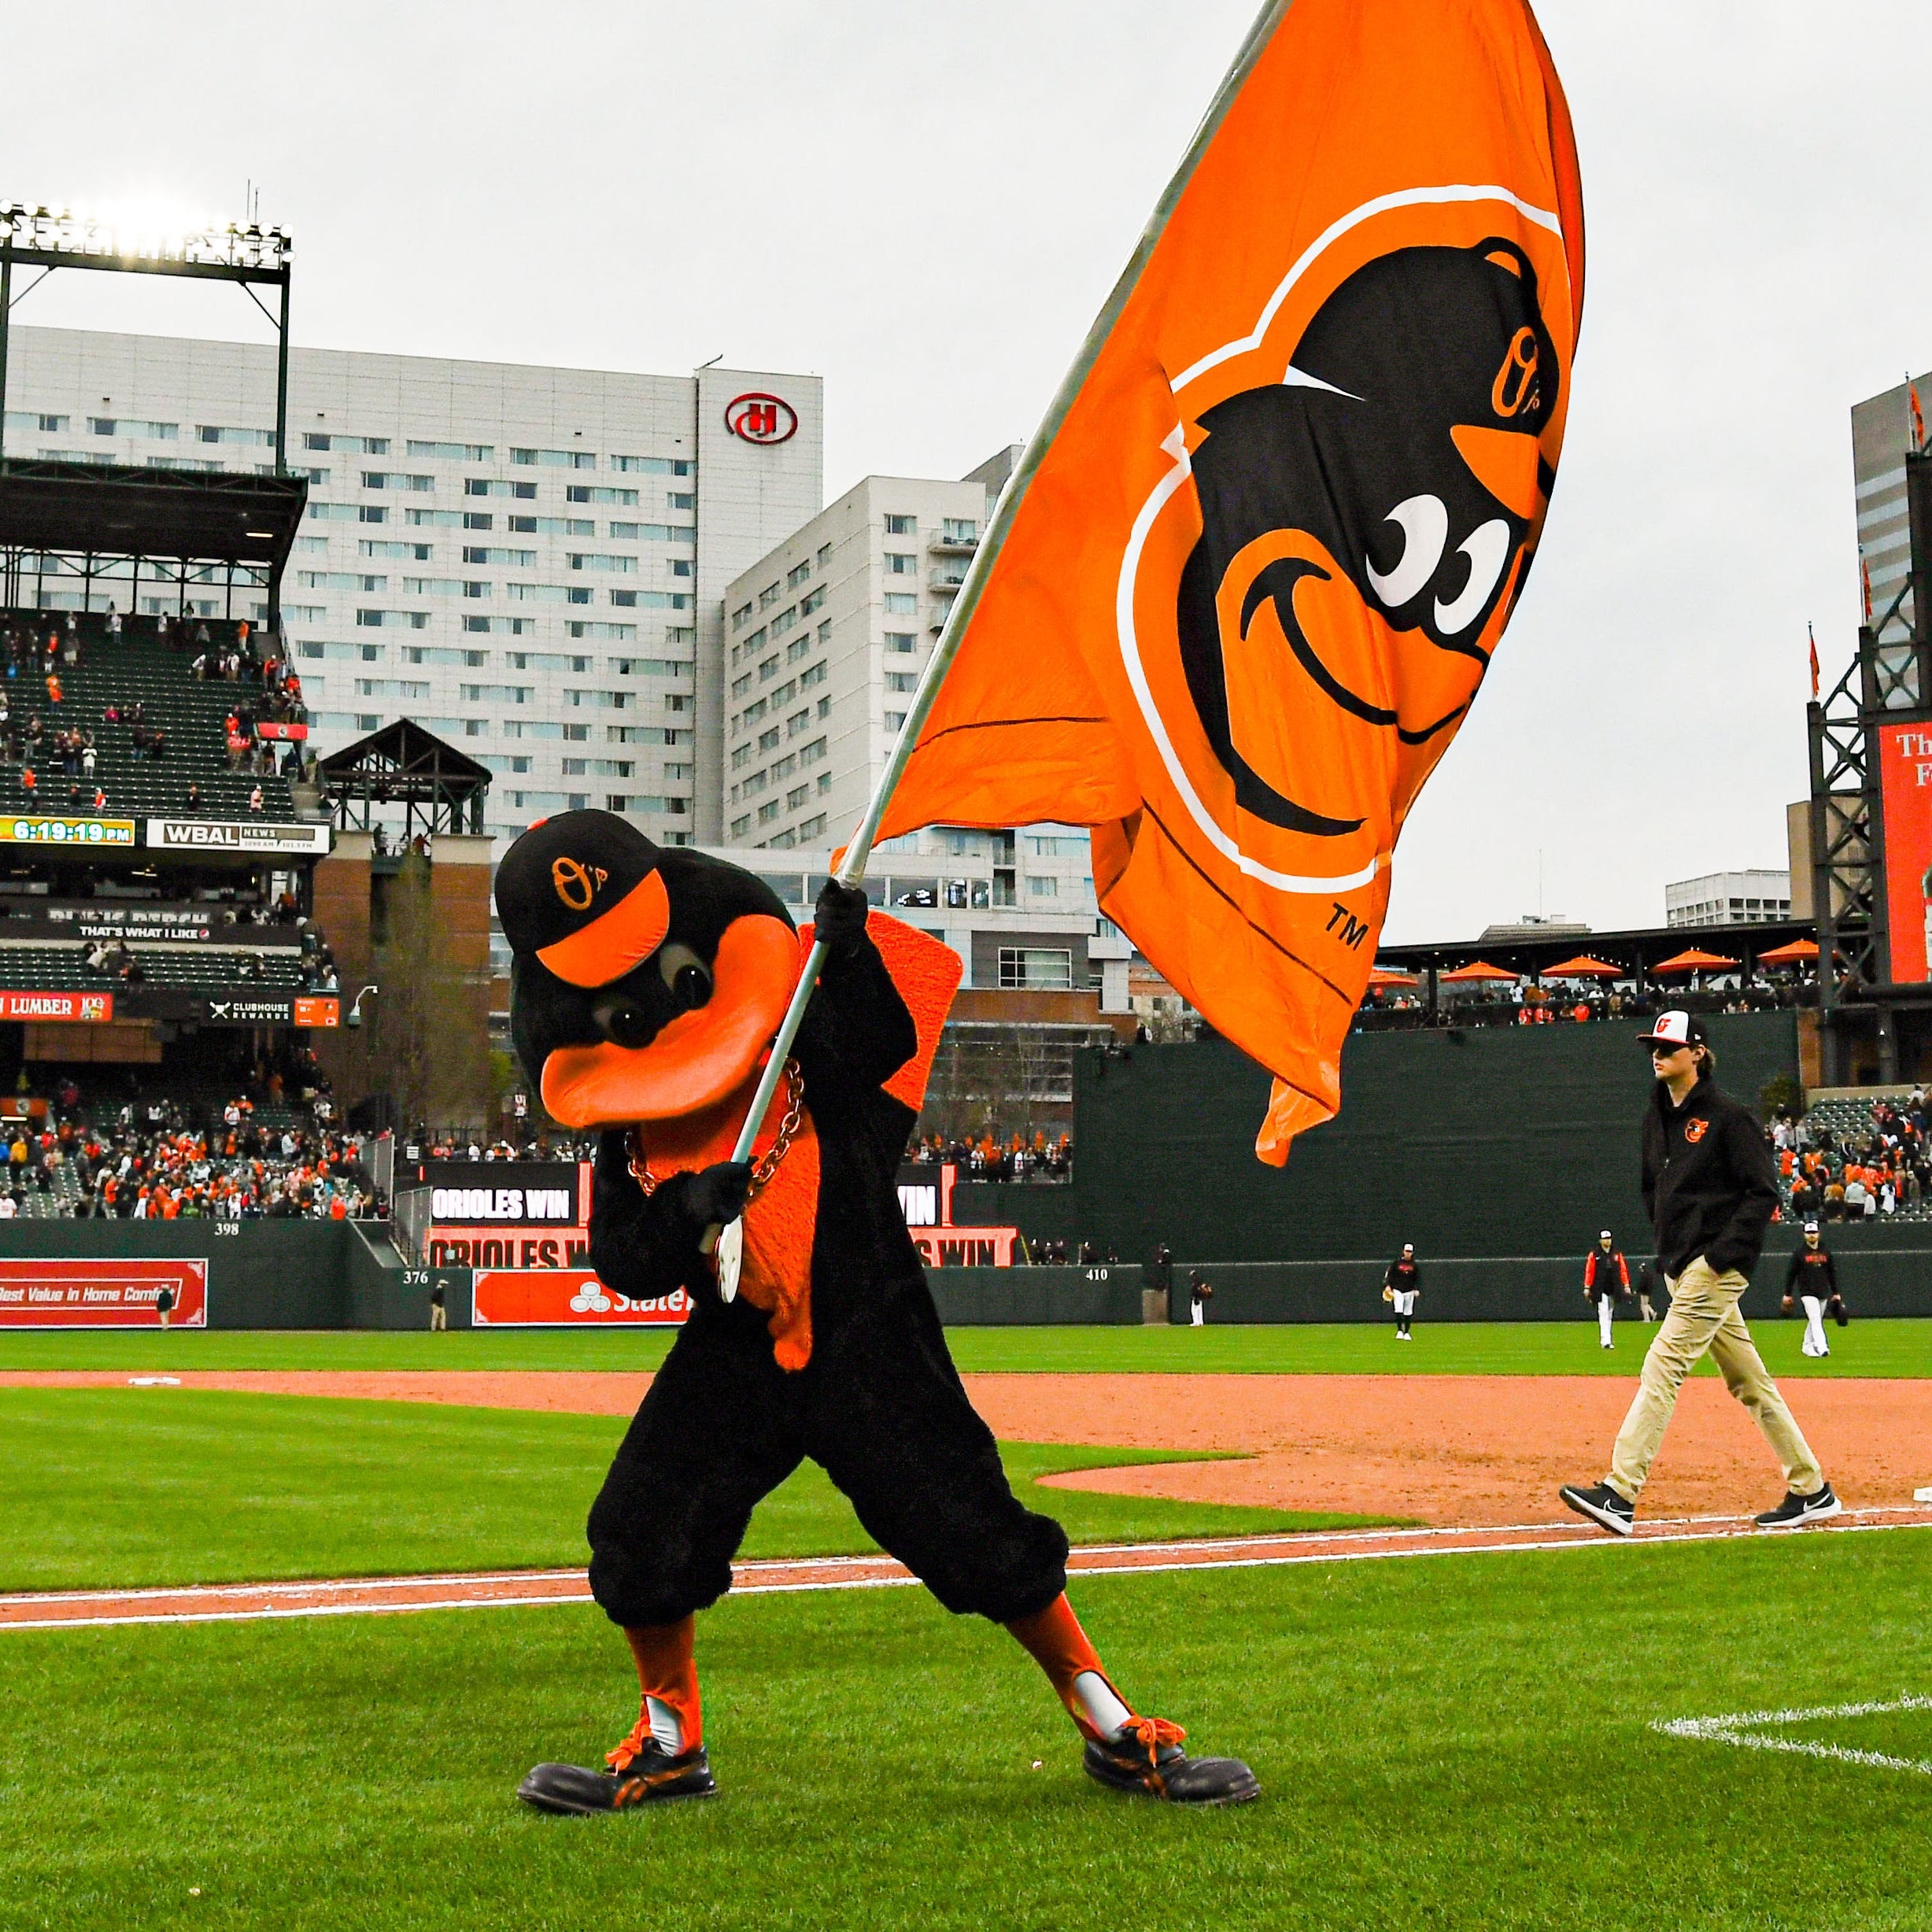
pixel 583 893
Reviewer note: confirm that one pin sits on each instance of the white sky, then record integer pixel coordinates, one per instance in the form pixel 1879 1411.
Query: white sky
pixel 926 205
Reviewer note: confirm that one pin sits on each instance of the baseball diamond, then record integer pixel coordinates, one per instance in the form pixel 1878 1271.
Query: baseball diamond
pixel 757 1171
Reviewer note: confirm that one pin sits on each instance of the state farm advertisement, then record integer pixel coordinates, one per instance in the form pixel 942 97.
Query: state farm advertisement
pixel 1905 784
pixel 559 1298
pixel 101 1293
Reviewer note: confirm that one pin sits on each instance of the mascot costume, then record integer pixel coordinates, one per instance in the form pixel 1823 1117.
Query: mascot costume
pixel 649 987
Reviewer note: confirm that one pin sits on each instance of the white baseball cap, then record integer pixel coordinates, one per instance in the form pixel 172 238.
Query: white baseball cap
pixel 1675 1029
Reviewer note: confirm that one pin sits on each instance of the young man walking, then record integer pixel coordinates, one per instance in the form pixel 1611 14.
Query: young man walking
pixel 1813 1278
pixel 1606 1282
pixel 1710 1188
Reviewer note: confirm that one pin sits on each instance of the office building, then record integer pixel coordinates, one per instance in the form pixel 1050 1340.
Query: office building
pixel 1728 899
pixel 530 562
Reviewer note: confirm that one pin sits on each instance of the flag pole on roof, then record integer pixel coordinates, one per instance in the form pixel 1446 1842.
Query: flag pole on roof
pixel 1242 586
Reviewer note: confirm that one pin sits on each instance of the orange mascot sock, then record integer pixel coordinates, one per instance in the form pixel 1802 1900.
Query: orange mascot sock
pixel 667 1676
pixel 1059 1646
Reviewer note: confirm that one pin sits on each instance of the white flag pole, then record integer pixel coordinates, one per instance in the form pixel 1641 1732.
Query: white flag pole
pixel 852 869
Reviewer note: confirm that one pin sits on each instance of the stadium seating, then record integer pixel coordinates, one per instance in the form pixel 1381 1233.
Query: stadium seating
pixel 1850 1119
pixel 215 969
pixel 139 668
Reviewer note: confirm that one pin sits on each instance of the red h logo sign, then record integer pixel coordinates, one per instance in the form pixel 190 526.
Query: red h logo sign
pixel 758 418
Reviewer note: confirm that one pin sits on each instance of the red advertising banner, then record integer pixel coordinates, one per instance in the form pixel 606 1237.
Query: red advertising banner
pixel 282 729
pixel 95 1009
pixel 925 1200
pixel 316 1011
pixel 565 1297
pixel 1905 783
pixel 101 1293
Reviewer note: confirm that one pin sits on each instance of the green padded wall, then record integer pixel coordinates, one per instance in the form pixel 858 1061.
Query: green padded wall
pixel 1518 1140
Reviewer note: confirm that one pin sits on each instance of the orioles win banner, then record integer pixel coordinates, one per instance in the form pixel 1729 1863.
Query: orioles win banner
pixel 1251 570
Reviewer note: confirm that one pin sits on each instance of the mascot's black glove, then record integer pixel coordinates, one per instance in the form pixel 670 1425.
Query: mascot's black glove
pixel 839 918
pixel 715 1195
pixel 632 1245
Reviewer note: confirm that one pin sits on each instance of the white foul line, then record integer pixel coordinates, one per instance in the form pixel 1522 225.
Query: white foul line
pixel 1743 1727
pixel 1524 1537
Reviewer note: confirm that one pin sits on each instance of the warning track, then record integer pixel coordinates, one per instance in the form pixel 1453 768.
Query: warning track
pixel 370 1596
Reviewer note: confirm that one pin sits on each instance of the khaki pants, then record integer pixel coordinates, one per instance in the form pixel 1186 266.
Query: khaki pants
pixel 1703 1316
pixel 439 1318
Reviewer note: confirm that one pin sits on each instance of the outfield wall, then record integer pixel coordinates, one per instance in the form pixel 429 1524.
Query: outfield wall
pixel 264 1274
pixel 1520 1288
pixel 1498 1140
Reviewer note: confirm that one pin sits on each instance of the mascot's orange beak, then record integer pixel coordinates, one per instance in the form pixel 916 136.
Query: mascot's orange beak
pixel 1504 462
pixel 698 1059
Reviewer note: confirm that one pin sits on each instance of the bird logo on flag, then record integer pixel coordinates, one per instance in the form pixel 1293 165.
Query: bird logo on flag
pixel 1398 464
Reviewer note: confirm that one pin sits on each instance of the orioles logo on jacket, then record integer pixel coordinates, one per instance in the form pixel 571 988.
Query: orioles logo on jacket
pixel 1370 471
pixel 1694 1131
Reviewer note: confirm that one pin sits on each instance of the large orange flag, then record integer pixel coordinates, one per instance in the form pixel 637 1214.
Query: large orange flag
pixel 1250 573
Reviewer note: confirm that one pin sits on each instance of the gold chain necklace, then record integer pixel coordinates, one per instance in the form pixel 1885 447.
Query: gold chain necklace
pixel 767 1163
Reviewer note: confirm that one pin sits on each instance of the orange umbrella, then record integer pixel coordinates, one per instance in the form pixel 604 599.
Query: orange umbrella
pixel 1799 950
pixel 1383 976
pixel 1480 970
pixel 1693 960
pixel 1583 967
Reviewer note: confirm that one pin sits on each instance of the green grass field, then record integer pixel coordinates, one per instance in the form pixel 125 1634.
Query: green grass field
pixel 1450 1743
pixel 1867 1348
pixel 1454 1742
pixel 117 1487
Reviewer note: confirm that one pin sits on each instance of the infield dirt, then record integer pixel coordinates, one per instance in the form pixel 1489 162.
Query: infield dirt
pixel 1448 1450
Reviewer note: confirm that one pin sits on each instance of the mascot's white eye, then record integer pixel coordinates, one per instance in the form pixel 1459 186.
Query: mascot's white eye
pixel 1424 524
pixel 1487 549
pixel 686 975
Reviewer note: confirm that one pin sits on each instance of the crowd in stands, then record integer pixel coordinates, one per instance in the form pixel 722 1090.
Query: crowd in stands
pixel 470 1144
pixel 990 1157
pixel 1858 1169
pixel 50 749
pixel 1056 1251
pixel 272 1150
pixel 1525 1004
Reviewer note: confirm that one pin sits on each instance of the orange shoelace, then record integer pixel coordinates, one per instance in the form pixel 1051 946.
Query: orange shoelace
pixel 620 1760
pixel 1153 1732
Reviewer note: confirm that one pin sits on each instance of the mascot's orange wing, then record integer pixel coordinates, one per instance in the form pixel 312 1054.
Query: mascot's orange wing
pixel 927 972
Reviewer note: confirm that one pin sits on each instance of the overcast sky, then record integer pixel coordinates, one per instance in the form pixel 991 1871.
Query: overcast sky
pixel 926 204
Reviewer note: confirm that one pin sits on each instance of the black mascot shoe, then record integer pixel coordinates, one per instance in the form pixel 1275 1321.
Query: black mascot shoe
pixel 1147 1756
pixel 642 1771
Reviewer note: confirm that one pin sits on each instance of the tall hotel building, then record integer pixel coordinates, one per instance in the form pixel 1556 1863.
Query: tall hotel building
pixel 1881 434
pixel 528 562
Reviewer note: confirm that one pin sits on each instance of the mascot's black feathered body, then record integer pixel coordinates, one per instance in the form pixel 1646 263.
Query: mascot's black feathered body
pixel 647 986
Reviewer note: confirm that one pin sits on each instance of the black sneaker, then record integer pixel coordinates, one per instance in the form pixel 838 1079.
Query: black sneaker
pixel 1147 1756
pixel 642 1772
pixel 1796 1511
pixel 1604 1507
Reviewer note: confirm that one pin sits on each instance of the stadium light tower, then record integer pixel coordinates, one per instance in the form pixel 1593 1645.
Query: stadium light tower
pixel 253 255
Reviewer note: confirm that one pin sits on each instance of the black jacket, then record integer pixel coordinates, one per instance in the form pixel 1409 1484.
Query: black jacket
pixel 1709 1186
pixel 1812 1271
pixel 1403 1276
pixel 1605 1272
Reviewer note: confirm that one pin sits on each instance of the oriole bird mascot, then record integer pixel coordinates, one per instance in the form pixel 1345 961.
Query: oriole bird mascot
pixel 649 987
